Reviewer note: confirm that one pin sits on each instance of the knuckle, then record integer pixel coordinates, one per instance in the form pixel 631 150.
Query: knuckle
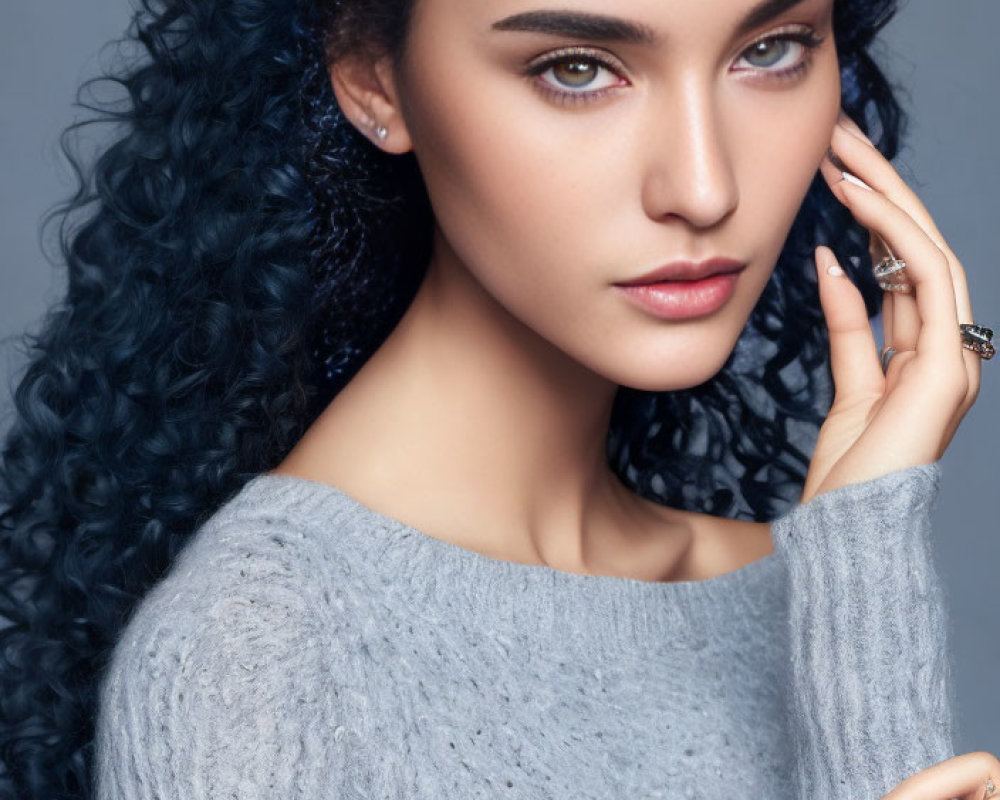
pixel 973 393
pixel 950 382
pixel 956 374
pixel 949 253
pixel 962 383
pixel 959 392
pixel 941 262
pixel 985 762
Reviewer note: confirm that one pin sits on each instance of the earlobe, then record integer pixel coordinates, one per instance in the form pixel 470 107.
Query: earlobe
pixel 366 92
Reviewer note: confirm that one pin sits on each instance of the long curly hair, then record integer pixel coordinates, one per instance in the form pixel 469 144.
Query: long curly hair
pixel 234 256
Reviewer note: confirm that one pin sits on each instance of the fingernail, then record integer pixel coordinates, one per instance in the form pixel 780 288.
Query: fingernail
pixel 856 181
pixel 835 160
pixel 834 270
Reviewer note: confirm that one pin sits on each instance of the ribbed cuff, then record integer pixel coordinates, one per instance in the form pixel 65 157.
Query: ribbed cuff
pixel 871 701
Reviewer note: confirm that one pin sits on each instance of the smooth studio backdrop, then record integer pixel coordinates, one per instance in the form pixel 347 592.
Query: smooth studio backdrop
pixel 945 56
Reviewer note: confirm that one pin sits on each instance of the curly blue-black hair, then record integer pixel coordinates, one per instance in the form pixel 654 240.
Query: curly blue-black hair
pixel 233 257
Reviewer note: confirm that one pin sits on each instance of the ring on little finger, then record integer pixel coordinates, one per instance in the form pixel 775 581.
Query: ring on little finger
pixel 991 789
pixel 978 339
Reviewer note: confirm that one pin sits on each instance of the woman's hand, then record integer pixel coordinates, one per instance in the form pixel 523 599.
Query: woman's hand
pixel 966 777
pixel 882 423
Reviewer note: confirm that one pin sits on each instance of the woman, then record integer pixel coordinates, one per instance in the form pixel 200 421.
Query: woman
pixel 342 347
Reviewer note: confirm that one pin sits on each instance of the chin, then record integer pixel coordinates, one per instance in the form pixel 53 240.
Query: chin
pixel 685 359
pixel 684 371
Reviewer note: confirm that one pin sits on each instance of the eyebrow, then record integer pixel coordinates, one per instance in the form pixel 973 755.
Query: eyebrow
pixel 764 12
pixel 599 27
pixel 579 25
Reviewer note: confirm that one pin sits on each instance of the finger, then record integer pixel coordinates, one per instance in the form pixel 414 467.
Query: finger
pixel 973 361
pixel 896 363
pixel 965 777
pixel 970 399
pixel 927 270
pixel 860 156
pixel 974 366
pixel 901 321
pixel 862 159
pixel 854 357
pixel 888 304
pixel 905 320
pixel 901 328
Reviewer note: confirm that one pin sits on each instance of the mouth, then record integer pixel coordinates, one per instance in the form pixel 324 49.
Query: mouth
pixel 687 271
pixel 684 290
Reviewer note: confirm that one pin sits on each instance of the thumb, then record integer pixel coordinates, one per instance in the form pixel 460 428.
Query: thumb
pixel 854 357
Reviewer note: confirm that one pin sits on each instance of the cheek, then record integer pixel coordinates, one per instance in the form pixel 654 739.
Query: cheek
pixel 505 183
pixel 780 160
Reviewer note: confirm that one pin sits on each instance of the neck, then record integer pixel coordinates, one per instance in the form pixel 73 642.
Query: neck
pixel 465 418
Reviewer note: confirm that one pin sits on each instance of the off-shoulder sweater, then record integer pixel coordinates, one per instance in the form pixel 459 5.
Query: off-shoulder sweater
pixel 306 647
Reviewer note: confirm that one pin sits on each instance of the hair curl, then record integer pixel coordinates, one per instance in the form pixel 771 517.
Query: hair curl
pixel 232 272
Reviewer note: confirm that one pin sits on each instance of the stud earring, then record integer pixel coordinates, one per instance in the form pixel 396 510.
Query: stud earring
pixel 381 132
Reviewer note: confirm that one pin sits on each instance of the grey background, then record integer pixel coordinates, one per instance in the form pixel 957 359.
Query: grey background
pixel 943 53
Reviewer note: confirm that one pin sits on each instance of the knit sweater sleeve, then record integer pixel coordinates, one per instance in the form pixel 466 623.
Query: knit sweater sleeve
pixel 204 697
pixel 871 697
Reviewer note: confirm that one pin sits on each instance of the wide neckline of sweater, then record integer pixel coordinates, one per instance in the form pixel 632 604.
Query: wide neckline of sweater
pixel 435 578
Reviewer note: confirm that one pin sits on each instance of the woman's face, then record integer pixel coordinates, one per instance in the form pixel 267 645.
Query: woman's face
pixel 571 145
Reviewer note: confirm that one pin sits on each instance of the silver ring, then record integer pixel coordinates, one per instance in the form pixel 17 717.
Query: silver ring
pixel 889 268
pixel 978 339
pixel 889 286
pixel 891 275
pixel 887 354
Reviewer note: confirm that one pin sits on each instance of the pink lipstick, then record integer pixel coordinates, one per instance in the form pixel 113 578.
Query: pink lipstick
pixel 684 289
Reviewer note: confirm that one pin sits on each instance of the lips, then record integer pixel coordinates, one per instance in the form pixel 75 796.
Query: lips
pixel 687 271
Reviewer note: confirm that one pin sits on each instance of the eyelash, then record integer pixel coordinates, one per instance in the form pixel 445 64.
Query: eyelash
pixel 537 67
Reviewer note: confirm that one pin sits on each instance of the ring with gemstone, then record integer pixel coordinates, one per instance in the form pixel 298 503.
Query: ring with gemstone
pixel 891 274
pixel 978 339
pixel 889 286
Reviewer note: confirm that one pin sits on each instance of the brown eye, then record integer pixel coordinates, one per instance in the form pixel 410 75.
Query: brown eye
pixel 576 73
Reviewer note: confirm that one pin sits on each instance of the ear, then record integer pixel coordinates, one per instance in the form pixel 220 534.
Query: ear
pixel 367 92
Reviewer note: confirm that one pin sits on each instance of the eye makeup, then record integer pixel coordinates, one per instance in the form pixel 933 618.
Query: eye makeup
pixel 599 60
pixel 596 59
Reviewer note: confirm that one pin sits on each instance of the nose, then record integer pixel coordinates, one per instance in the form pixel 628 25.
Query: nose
pixel 689 171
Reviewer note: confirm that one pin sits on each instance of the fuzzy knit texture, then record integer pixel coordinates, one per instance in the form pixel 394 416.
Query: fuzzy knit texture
pixel 306 647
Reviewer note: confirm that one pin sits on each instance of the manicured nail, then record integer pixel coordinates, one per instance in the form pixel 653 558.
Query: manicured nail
pixel 834 270
pixel 856 181
pixel 835 160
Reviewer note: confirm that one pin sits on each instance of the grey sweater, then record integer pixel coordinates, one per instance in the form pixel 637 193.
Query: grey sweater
pixel 303 646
